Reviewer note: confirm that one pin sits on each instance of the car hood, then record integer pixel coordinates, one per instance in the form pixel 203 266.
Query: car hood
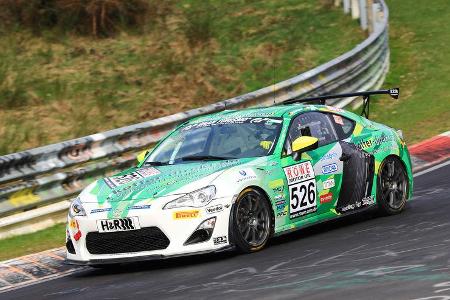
pixel 154 182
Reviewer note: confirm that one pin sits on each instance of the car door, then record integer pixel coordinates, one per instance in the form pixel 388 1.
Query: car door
pixel 313 182
pixel 358 168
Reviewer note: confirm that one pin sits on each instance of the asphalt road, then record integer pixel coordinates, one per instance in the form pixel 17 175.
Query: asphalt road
pixel 361 257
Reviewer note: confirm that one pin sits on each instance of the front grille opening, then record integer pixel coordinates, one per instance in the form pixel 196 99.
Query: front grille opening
pixel 200 235
pixel 144 239
pixel 69 246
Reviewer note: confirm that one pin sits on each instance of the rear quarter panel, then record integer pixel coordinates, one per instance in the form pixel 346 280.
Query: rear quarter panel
pixel 382 141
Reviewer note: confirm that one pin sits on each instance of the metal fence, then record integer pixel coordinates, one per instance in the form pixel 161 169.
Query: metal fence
pixel 55 172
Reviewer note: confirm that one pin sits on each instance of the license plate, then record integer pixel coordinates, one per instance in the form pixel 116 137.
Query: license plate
pixel 124 224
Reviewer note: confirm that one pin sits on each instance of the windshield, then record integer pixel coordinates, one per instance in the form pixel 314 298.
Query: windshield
pixel 218 140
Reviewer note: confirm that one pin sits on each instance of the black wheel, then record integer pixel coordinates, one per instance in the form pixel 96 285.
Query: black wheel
pixel 251 221
pixel 392 186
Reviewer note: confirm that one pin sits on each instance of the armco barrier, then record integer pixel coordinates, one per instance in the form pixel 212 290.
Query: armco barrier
pixel 55 172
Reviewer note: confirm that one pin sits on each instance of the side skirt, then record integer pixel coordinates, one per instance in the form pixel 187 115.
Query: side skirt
pixel 364 209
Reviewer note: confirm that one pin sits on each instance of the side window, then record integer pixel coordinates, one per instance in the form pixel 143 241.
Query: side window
pixel 344 127
pixel 314 124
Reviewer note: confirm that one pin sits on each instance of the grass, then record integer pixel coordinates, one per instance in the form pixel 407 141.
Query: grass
pixel 419 39
pixel 56 86
pixel 34 242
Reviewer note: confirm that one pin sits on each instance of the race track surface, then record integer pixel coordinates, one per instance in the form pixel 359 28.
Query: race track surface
pixel 361 257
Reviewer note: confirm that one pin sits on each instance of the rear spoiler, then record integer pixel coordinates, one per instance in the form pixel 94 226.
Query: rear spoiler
pixel 394 93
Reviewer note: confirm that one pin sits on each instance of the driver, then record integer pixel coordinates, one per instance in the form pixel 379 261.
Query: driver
pixel 266 135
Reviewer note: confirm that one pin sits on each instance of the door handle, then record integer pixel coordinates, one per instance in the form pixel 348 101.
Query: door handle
pixel 344 157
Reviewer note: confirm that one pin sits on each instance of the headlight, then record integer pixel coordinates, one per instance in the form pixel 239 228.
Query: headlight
pixel 196 198
pixel 76 209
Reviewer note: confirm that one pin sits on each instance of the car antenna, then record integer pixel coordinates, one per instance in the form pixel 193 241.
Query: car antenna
pixel 394 93
pixel 273 81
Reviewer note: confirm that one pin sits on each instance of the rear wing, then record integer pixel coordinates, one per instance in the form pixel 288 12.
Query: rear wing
pixel 394 93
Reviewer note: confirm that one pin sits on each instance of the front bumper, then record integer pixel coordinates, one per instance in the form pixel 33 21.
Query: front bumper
pixel 176 230
pixel 96 262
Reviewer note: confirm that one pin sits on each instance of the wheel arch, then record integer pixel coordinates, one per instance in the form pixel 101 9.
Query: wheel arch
pixel 405 166
pixel 272 213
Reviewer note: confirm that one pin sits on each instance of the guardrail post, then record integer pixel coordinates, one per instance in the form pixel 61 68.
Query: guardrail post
pixel 355 9
pixel 363 14
pixel 376 16
pixel 346 6
pixel 370 17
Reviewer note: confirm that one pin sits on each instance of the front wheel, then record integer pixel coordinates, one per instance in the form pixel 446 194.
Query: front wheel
pixel 392 186
pixel 251 221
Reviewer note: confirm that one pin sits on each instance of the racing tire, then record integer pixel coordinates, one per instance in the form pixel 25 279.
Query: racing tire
pixel 251 223
pixel 392 186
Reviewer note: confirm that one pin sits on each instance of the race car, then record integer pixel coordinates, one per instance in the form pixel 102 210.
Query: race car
pixel 236 178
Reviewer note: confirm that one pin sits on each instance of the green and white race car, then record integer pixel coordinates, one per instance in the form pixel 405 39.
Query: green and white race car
pixel 235 178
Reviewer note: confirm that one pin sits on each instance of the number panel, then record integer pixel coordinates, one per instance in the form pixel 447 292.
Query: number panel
pixel 302 189
pixel 302 198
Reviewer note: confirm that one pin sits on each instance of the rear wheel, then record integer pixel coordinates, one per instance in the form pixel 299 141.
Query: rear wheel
pixel 392 186
pixel 251 221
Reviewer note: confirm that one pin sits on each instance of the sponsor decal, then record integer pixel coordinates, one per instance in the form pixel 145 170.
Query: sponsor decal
pixel 236 120
pixel 338 119
pixel 374 142
pixel 73 224
pixel 276 183
pixel 147 172
pixel 280 204
pixel 113 182
pixel 328 156
pixel 367 201
pixel 281 214
pixel 147 206
pixel 120 210
pixel 246 174
pixel 331 168
pixel 385 148
pixel 187 214
pixel 298 173
pixel 364 144
pixel 99 210
pixel 156 184
pixel 278 189
pixel 279 197
pixel 220 240
pixel 326 198
pixel 124 224
pixel 332 108
pixel 214 209
pixel 328 184
pixel 302 189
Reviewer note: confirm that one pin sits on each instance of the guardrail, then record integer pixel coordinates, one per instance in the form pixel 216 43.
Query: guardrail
pixel 55 172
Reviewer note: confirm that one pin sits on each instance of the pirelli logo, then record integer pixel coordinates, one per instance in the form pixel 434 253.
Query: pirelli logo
pixel 187 214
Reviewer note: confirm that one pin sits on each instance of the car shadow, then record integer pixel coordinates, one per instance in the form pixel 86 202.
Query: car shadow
pixel 200 259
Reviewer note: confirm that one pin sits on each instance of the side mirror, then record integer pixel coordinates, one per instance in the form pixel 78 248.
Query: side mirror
pixel 303 144
pixel 141 156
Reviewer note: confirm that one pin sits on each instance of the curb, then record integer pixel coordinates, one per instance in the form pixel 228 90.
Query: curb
pixel 31 269
pixel 430 152
pixel 34 268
